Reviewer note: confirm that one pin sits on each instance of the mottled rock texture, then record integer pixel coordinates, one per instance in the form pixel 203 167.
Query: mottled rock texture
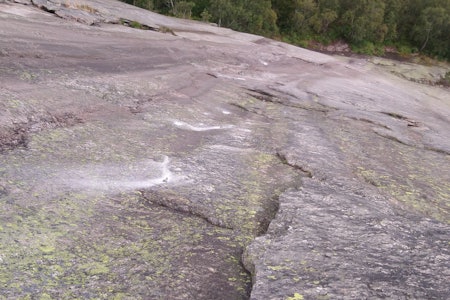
pixel 187 161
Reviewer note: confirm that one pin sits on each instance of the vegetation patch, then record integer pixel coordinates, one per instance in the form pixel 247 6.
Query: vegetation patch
pixel 445 80
pixel 81 6
pixel 368 26
pixel 136 25
pixel 165 29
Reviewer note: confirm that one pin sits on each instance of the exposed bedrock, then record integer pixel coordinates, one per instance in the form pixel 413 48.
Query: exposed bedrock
pixel 189 161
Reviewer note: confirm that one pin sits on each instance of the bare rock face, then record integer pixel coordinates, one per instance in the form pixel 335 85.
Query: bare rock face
pixel 186 161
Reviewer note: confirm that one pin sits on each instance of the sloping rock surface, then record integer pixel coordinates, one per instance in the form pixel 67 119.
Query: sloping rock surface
pixel 187 161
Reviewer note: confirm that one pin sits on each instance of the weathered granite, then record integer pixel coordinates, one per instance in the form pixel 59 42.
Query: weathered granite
pixel 141 165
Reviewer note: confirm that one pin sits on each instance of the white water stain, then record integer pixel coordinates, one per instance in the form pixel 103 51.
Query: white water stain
pixel 123 177
pixel 199 127
pixel 226 112
pixel 230 148
pixel 231 77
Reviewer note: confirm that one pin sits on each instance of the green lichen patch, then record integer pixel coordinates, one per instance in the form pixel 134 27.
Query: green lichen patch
pixel 122 248
pixel 415 178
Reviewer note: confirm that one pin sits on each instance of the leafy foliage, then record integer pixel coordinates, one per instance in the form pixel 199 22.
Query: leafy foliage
pixel 411 25
pixel 445 80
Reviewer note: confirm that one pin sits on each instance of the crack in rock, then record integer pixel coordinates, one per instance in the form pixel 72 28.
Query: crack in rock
pixel 410 122
pixel 400 141
pixel 268 97
pixel 284 159
pixel 366 120
pixel 440 151
pixel 12 138
pixel 393 138
pixel 176 202
pixel 17 136
pixel 251 110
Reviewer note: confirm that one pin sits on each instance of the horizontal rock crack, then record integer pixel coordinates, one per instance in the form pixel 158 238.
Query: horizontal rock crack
pixel 285 161
pixel 268 97
pixel 180 204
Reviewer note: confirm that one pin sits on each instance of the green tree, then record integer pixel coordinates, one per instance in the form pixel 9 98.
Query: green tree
pixel 205 15
pixel 304 11
pixel 432 30
pixel 259 17
pixel 393 14
pixel 295 16
pixel 367 24
pixel 200 7
pixel 222 12
pixel 183 9
pixel 328 12
pixel 147 4
pixel 363 20
pixel 255 16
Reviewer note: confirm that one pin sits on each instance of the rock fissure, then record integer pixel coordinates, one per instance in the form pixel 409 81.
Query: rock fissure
pixel 137 25
pixel 252 110
pixel 393 138
pixel 283 158
pixel 395 116
pixel 406 143
pixel 18 135
pixel 267 97
pixel 284 101
pixel 365 120
pixel 12 138
pixel 437 150
pixel 180 204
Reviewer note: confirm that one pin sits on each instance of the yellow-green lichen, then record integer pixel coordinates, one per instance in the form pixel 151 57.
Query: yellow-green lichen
pixel 296 296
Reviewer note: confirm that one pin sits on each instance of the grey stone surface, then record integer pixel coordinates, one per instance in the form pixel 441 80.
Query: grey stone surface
pixel 203 163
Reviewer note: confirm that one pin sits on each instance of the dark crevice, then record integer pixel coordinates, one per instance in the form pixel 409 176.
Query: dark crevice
pixel 249 285
pixel 393 138
pixel 45 7
pixel 262 95
pixel 370 122
pixel 440 151
pixel 137 25
pixel 395 115
pixel 410 122
pixel 269 215
pixel 180 204
pixel 269 212
pixel 141 26
pixel 429 148
pixel 240 106
pixel 285 161
pixel 13 138
pixel 310 62
pixel 267 97
pixel 249 110
pixel 18 135
pixel 212 75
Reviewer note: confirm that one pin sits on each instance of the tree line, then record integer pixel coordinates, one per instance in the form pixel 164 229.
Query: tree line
pixel 367 25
